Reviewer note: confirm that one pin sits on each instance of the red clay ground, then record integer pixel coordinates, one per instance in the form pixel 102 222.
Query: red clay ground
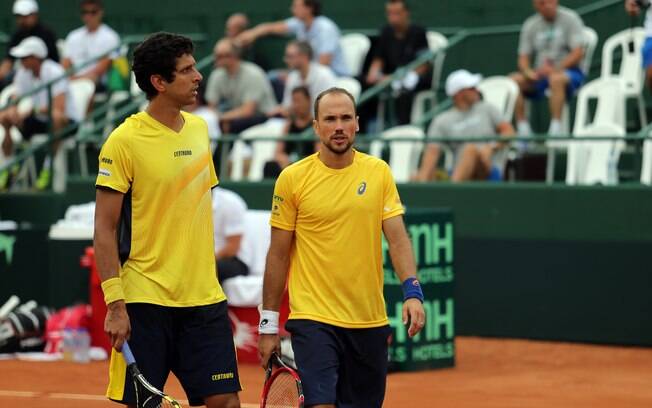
pixel 489 373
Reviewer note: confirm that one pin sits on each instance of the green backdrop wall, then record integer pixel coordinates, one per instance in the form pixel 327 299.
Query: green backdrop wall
pixel 532 261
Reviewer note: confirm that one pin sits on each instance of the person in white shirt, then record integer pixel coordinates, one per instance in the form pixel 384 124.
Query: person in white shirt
pixel 91 41
pixel 233 258
pixel 305 72
pixel 35 71
pixel 307 24
pixel 634 8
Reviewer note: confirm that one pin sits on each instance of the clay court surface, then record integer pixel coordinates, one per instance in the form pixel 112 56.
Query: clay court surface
pixel 489 373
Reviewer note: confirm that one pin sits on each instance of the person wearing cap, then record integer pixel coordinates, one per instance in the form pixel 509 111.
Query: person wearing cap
pixel 550 50
pixel 36 69
pixel 28 25
pixel 89 42
pixel 469 117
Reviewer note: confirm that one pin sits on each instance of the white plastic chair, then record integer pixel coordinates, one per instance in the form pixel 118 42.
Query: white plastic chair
pixel 646 166
pixel 500 91
pixel 403 154
pixel 350 84
pixel 631 71
pixel 261 150
pixel 591 41
pixel 354 47
pixel 595 162
pixel 436 41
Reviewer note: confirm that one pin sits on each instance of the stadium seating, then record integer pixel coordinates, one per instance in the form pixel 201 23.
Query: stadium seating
pixel 355 47
pixel 627 45
pixel 261 151
pixel 350 84
pixel 403 154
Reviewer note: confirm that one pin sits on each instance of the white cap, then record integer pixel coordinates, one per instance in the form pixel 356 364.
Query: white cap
pixel 461 79
pixel 30 46
pixel 25 7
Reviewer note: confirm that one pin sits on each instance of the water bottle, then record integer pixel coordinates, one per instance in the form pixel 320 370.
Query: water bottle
pixel 82 346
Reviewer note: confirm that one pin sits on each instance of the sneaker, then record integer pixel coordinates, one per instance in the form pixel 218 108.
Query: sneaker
pixel 44 179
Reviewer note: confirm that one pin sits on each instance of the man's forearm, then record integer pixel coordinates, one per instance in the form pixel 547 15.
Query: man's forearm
pixel 274 281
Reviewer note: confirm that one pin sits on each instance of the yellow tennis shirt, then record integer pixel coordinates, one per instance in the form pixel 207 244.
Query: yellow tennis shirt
pixel 166 226
pixel 336 268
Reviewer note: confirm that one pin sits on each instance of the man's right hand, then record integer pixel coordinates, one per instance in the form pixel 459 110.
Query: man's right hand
pixel 632 8
pixel 116 324
pixel 267 344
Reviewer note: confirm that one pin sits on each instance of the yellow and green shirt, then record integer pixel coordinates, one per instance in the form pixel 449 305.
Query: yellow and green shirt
pixel 336 268
pixel 166 226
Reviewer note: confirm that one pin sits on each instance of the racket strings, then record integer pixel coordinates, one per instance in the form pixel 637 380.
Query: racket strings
pixel 282 392
pixel 147 399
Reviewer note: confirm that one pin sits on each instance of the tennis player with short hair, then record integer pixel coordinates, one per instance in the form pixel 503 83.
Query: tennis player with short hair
pixel 328 213
pixel 154 237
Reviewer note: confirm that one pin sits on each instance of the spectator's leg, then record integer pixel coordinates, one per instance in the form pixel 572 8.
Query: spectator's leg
pixel 473 164
pixel 7 143
pixel 404 107
pixel 558 83
pixel 428 163
pixel 238 125
pixel 522 124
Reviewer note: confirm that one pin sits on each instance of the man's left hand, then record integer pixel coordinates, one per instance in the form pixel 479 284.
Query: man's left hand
pixel 413 309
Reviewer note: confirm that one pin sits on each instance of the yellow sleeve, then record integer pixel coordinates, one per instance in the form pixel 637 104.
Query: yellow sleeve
pixel 115 166
pixel 284 208
pixel 392 205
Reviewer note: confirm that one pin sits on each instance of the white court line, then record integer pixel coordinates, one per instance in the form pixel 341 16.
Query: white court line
pixel 82 397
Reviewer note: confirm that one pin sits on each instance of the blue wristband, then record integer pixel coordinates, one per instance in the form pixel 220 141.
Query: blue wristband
pixel 412 289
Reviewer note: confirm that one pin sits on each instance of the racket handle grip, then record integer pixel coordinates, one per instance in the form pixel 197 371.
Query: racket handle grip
pixel 127 354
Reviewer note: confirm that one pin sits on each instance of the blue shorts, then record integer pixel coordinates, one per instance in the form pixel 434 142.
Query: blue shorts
pixel 346 367
pixel 647 52
pixel 195 343
pixel 576 79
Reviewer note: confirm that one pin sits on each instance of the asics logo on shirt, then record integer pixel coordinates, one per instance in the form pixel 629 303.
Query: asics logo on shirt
pixel 362 188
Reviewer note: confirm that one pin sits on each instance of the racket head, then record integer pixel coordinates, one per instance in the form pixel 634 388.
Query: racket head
pixel 147 396
pixel 282 387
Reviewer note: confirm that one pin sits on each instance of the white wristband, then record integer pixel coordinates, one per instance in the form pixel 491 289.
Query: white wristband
pixel 268 322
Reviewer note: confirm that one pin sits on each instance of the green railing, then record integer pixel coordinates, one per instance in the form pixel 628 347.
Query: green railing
pixel 70 130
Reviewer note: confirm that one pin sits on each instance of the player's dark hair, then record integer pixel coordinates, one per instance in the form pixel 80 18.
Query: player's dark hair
pixel 314 6
pixel 158 55
pixel 333 90
pixel 403 2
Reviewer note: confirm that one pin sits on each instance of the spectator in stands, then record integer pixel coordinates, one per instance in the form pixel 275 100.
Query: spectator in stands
pixel 36 69
pixel 28 25
pixel 299 120
pixel 550 50
pixel 634 7
pixel 238 90
pixel 307 24
pixel 235 25
pixel 470 116
pixel 89 42
pixel 400 43
pixel 304 72
pixel 201 109
pixel 229 211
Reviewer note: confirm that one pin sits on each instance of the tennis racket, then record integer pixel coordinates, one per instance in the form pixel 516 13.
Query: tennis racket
pixel 282 387
pixel 147 396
